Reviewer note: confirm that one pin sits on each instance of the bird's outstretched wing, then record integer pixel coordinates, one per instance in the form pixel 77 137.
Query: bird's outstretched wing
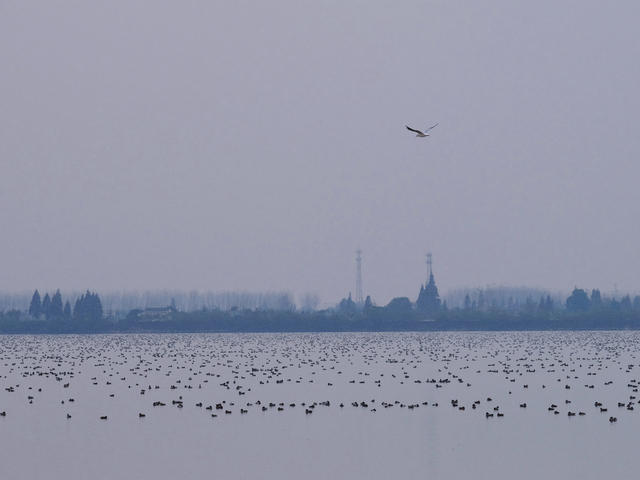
pixel 413 129
pixel 432 127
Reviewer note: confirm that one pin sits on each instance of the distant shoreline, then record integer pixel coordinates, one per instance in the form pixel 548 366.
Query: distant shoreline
pixel 251 321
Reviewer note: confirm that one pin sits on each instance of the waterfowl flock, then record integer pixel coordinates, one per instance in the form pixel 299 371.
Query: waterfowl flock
pixel 489 376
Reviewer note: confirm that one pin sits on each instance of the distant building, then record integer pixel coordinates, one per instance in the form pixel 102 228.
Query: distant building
pixel 156 314
pixel 399 305
pixel 428 298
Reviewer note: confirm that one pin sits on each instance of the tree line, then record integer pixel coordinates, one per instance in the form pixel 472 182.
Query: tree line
pixel 87 307
pixel 121 302
pixel 580 310
pixel 429 302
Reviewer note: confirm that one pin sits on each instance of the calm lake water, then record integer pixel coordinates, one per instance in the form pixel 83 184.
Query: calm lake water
pixel 407 406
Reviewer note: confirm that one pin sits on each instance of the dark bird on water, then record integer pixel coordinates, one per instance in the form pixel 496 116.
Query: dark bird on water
pixel 420 133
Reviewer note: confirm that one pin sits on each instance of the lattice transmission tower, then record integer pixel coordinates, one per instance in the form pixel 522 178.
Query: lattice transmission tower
pixel 359 299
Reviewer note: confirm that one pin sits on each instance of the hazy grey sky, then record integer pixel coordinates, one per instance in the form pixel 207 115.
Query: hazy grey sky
pixel 254 145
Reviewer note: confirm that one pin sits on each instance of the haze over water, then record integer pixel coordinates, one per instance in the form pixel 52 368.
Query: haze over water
pixel 254 146
pixel 404 423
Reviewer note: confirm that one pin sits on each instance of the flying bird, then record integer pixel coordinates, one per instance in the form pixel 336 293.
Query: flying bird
pixel 419 133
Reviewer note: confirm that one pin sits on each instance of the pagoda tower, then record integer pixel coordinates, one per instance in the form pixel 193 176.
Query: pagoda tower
pixel 429 299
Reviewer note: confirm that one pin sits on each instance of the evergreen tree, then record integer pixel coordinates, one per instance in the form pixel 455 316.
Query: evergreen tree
pixel 35 309
pixel 625 303
pixel 578 301
pixel 88 308
pixel 46 305
pixel 78 308
pixel 596 298
pixel 636 302
pixel 96 307
pixel 55 310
